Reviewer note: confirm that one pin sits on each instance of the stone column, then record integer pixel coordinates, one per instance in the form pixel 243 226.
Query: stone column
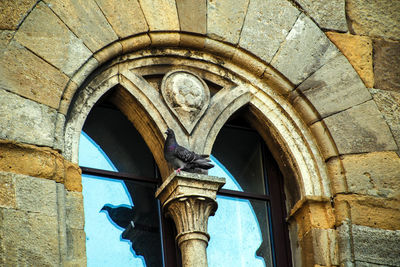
pixel 189 199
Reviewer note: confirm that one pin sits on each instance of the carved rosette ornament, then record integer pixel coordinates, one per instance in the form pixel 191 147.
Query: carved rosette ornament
pixel 186 95
pixel 189 199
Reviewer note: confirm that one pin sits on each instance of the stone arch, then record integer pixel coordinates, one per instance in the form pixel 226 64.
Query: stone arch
pixel 241 87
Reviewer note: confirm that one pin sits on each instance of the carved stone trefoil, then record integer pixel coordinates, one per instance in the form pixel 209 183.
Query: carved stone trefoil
pixel 186 95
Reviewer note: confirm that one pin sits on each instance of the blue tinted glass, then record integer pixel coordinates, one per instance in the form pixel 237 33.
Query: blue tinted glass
pixel 239 230
pixel 121 218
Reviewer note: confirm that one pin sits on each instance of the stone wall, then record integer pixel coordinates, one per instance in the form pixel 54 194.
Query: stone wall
pixel 334 63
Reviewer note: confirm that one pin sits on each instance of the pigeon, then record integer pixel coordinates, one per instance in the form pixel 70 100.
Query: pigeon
pixel 182 159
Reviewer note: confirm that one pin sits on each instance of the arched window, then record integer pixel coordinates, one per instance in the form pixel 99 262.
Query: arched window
pixel 123 221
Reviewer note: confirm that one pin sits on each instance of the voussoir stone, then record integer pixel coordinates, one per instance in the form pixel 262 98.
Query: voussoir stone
pixel 360 129
pixel 192 15
pixel 12 12
pixel 358 50
pixel 125 16
pixel 225 19
pixel 29 122
pixel 387 64
pixel 374 18
pixel 388 103
pixel 86 20
pixel 45 34
pixel 160 14
pixel 328 14
pixel 334 87
pixel 269 20
pixel 26 74
pixel 304 51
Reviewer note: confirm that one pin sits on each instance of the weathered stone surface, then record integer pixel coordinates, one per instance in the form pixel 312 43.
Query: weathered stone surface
pixel 387 64
pixel 5 38
pixel 312 213
pixel 304 51
pixel 377 246
pixel 76 247
pixel 45 34
pixel 36 195
pixel 86 20
pixel 358 50
pixel 126 17
pixel 328 14
pixel 160 14
pixel 367 210
pixel 374 18
pixel 376 174
pixel 334 87
pixel 266 25
pixel 319 247
pixel 192 15
pixel 74 210
pixel 13 12
pixel 360 129
pixel 28 239
pixel 29 122
pixel 28 75
pixel 7 190
pixel 389 105
pixel 39 162
pixel 225 20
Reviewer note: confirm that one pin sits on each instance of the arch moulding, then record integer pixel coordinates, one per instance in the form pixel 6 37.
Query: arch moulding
pixel 132 75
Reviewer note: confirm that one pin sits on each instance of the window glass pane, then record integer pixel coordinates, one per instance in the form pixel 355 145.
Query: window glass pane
pixel 241 150
pixel 121 217
pixel 240 233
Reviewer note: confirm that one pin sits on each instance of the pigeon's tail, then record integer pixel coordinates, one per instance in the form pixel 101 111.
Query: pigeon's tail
pixel 203 163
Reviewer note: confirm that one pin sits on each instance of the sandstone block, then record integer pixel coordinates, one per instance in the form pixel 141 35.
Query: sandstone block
pixel 367 210
pixel 29 122
pixel 360 129
pixel 267 20
pixel 31 239
pixel 325 142
pixel 86 20
pixel 160 14
pixel 389 105
pixel 387 64
pixel 319 247
pixel 304 51
pixel 26 74
pixel 374 18
pixel 358 50
pixel 376 174
pixel 192 15
pixel 225 20
pixel 13 12
pixel 74 210
pixel 7 190
pixel 334 87
pixel 36 195
pixel 327 14
pixel 45 34
pixel 126 17
pixel 376 246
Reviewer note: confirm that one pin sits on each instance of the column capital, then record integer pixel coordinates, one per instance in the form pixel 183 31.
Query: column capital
pixel 189 199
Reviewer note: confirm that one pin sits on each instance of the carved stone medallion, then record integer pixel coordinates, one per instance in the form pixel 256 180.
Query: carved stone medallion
pixel 186 95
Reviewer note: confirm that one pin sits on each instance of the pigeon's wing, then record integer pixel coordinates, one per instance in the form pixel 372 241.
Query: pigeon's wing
pixel 184 154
